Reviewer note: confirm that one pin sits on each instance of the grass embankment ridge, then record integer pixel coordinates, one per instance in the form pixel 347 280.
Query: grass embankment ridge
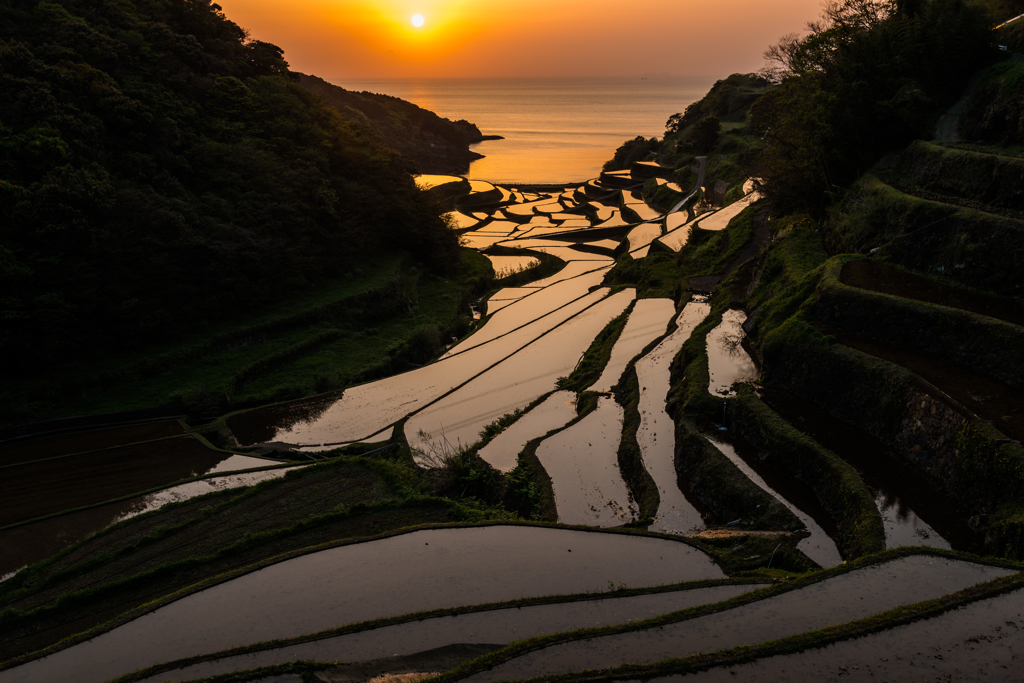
pixel 977 248
pixel 877 396
pixel 836 485
pixel 985 344
pixel 964 174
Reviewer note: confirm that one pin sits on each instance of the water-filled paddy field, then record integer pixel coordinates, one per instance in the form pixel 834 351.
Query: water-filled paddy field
pixel 426 570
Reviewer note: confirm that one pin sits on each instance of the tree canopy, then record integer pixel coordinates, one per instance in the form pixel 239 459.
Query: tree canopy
pixel 866 79
pixel 158 169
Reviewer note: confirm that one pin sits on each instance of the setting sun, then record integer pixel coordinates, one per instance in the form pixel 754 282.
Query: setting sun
pixel 417 20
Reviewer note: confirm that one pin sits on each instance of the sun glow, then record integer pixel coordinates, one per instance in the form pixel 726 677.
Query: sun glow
pixel 417 20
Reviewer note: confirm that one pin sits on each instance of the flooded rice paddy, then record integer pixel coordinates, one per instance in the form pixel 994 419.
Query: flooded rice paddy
pixel 914 512
pixel 656 434
pixel 800 501
pixel 26 450
pixel 980 642
pixel 515 382
pixel 558 410
pixel 531 336
pixel 37 488
pixel 848 597
pixel 426 570
pixel 583 464
pixel 647 322
pixel 33 542
pixel 496 626
pixel 728 361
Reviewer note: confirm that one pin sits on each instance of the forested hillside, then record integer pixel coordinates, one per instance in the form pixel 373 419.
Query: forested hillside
pixel 159 169
pixel 436 144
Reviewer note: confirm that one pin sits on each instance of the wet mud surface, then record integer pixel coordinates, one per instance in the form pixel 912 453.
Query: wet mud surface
pixel 845 598
pixel 426 570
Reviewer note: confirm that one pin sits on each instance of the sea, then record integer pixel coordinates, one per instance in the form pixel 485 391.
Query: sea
pixel 556 130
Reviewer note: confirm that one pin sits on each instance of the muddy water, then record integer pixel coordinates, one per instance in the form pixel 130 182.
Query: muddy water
pixel 845 598
pixel 914 512
pixel 981 642
pixel 800 500
pixel 27 544
pixel 27 450
pixel 515 382
pixel 555 412
pixel 656 434
pixel 646 322
pixel 35 489
pixel 498 626
pixel 425 570
pixel 728 361
pixel 583 464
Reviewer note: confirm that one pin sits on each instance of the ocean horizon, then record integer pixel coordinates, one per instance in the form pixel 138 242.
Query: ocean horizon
pixel 556 129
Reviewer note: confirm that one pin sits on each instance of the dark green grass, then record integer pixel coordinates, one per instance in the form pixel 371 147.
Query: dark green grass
pixel 311 344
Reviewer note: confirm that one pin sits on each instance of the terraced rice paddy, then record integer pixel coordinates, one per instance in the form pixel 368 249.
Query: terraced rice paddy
pixel 818 546
pixel 847 597
pixel 494 626
pixel 581 461
pixel 728 361
pixel 524 376
pixel 976 642
pixel 556 347
pixel 656 435
pixel 427 570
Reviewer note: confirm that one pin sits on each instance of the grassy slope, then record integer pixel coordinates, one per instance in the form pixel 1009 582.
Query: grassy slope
pixel 208 371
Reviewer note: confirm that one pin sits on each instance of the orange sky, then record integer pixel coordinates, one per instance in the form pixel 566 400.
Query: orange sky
pixel 339 39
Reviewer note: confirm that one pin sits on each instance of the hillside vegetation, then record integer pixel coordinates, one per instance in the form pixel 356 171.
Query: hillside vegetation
pixel 436 144
pixel 160 170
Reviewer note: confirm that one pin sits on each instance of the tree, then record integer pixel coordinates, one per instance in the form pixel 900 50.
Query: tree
pixel 706 134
